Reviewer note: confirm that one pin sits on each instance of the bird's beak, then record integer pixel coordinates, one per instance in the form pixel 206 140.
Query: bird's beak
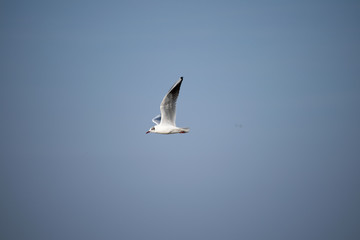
pixel 147 132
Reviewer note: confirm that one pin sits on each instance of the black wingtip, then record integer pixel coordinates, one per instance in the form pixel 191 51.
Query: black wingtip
pixel 181 78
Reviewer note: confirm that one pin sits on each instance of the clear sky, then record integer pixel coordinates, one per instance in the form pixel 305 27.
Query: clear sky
pixel 271 93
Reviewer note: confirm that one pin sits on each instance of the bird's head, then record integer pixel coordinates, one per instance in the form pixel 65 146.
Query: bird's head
pixel 152 129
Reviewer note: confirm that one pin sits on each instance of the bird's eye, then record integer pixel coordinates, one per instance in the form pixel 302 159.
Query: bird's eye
pixel 153 128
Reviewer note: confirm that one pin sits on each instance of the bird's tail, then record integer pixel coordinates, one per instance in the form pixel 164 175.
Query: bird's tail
pixel 185 130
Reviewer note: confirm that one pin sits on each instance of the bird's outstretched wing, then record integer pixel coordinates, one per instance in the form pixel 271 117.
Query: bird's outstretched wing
pixel 157 119
pixel 168 104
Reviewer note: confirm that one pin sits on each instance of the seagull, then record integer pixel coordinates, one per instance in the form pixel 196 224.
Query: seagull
pixel 165 122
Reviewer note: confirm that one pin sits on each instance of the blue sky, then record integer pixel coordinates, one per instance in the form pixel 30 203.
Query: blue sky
pixel 271 94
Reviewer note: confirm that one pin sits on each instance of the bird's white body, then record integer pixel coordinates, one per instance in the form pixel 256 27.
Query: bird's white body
pixel 168 129
pixel 165 122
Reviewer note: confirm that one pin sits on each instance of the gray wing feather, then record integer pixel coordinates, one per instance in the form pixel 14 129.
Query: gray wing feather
pixel 168 104
pixel 157 119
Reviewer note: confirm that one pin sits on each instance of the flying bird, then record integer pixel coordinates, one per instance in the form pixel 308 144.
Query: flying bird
pixel 165 122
